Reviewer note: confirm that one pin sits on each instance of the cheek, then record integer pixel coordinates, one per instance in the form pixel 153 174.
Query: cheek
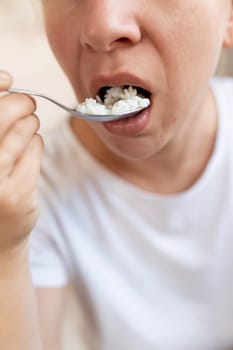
pixel 189 44
pixel 64 49
pixel 190 49
pixel 63 40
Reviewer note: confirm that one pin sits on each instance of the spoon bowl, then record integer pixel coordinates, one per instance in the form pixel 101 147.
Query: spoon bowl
pixel 75 113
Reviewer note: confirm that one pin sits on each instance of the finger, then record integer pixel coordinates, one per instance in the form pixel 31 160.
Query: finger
pixel 12 108
pixel 19 193
pixel 15 141
pixel 5 80
pixel 28 166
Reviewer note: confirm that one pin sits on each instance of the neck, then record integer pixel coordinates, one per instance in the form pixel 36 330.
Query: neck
pixel 178 166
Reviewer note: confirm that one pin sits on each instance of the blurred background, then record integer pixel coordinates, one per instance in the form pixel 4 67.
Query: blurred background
pixel 26 54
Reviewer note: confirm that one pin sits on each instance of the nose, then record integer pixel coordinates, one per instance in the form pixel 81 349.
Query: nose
pixel 106 24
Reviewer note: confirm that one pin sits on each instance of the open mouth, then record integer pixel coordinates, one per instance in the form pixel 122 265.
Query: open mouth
pixel 116 100
pixel 140 92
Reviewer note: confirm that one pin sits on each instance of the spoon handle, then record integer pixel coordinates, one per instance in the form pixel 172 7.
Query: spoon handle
pixel 74 112
pixel 38 94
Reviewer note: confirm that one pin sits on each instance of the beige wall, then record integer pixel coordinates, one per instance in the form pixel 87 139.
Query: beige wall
pixel 26 54
pixel 226 66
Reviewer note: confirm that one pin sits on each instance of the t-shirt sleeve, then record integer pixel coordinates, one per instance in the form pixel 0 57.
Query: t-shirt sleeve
pixel 46 262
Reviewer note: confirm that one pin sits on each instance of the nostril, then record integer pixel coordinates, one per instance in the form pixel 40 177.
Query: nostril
pixel 103 32
pixel 123 40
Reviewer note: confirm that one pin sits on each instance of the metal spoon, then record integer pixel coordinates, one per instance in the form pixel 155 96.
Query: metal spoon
pixel 74 112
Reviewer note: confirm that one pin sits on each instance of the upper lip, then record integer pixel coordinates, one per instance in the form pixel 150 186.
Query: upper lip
pixel 119 79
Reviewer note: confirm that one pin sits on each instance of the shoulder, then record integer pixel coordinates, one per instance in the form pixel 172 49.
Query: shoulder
pixel 223 90
pixel 58 141
pixel 63 159
pixel 224 83
pixel 68 170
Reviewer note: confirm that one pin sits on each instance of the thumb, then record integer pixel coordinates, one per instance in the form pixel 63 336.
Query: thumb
pixel 5 80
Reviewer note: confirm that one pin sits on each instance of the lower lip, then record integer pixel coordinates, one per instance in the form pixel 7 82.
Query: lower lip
pixel 129 126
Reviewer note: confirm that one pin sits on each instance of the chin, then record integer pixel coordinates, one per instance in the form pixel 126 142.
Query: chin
pixel 134 151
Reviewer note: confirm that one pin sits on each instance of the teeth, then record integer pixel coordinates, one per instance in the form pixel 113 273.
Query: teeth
pixel 99 100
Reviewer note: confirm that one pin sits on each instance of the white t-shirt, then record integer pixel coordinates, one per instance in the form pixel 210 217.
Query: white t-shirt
pixel 152 271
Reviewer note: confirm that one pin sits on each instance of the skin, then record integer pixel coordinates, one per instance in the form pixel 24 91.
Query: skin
pixel 20 158
pixel 175 53
pixel 183 109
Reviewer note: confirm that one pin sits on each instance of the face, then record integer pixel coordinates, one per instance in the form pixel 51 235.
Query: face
pixel 168 47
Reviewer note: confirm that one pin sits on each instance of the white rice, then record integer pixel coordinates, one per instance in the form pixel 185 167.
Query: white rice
pixel 116 101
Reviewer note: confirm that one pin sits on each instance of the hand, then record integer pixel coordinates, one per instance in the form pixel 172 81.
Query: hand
pixel 20 159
